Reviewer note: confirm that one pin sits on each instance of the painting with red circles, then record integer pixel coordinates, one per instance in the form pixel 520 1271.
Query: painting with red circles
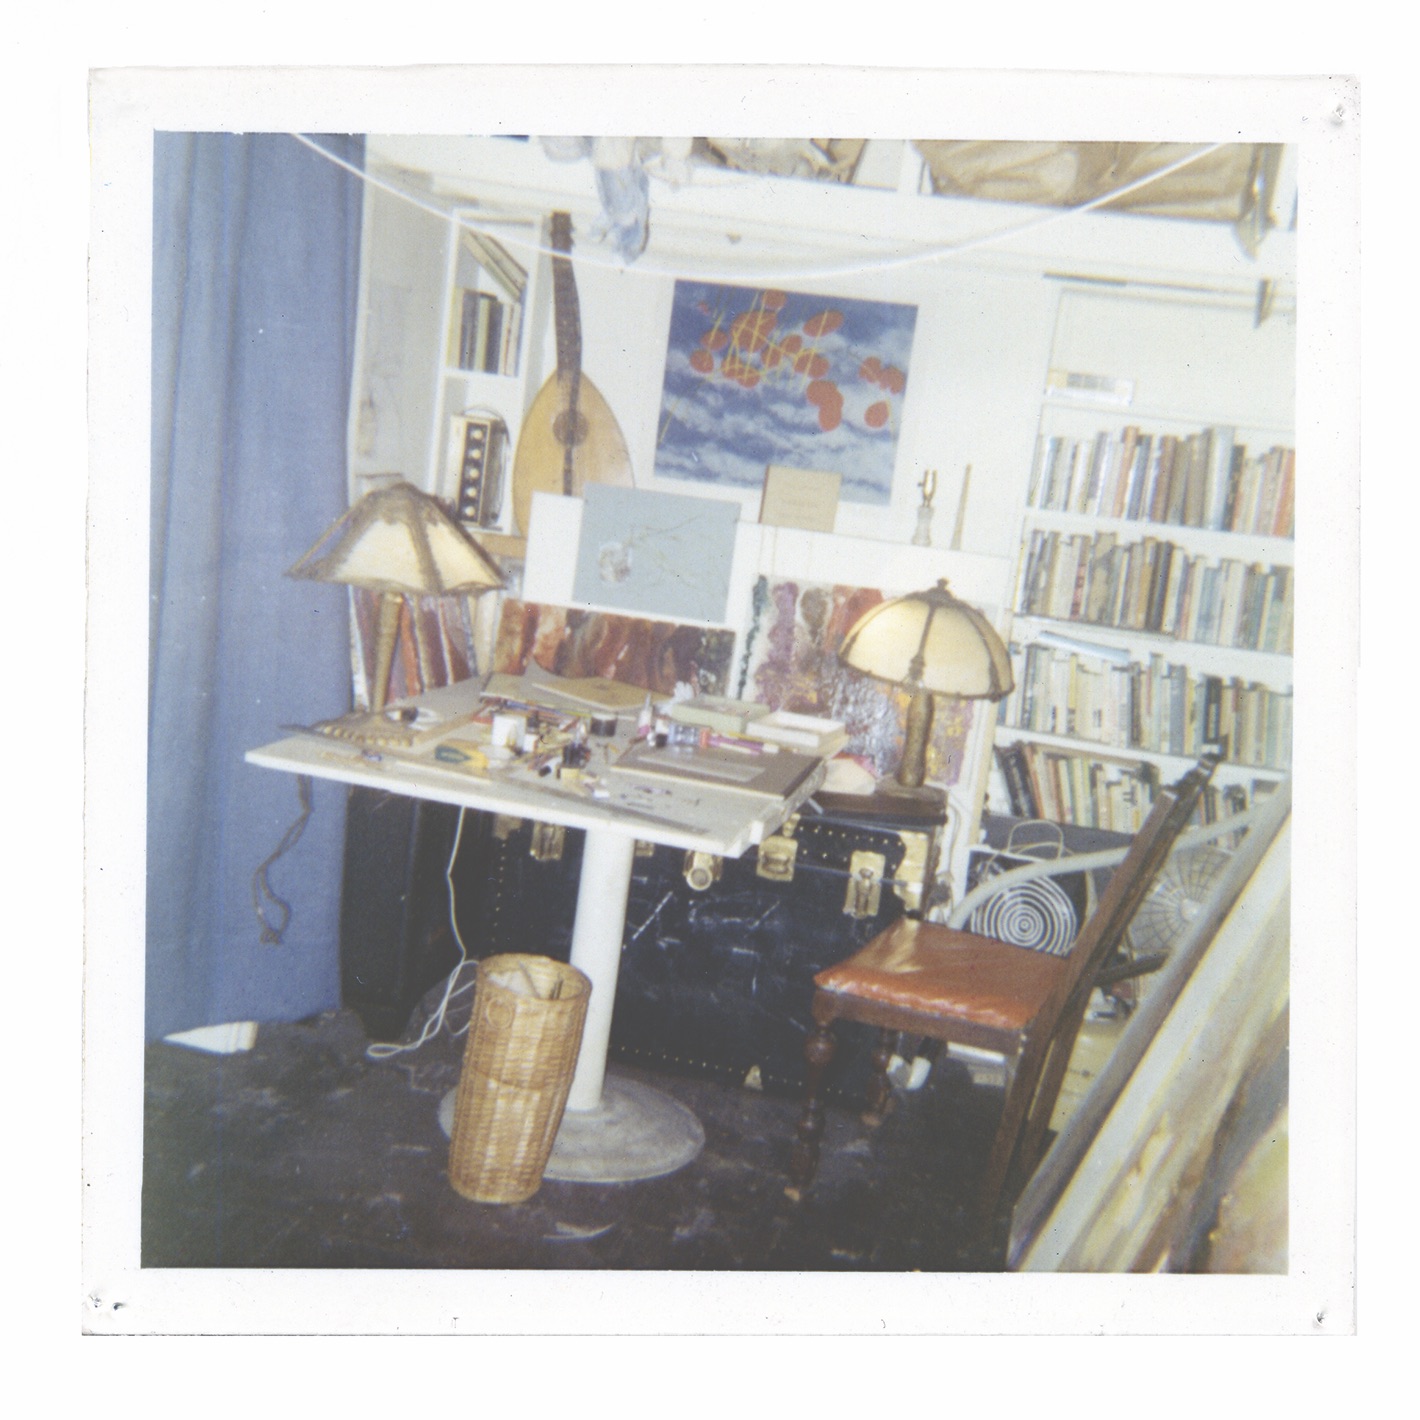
pixel 756 376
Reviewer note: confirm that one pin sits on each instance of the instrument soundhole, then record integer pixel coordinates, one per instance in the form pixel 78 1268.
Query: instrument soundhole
pixel 570 427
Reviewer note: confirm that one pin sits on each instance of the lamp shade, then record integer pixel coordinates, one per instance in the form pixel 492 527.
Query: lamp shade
pixel 401 541
pixel 930 641
pixel 398 542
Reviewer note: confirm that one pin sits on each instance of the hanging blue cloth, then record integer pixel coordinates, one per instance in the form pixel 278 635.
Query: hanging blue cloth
pixel 625 196
pixel 255 268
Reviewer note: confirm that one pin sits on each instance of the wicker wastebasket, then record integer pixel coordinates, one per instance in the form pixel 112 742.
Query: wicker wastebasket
pixel 528 1015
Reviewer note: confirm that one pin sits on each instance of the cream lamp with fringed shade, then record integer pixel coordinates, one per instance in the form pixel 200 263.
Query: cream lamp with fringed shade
pixel 398 542
pixel 930 643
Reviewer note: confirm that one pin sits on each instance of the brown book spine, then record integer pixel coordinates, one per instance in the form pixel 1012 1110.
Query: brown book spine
pixel 1129 439
pixel 1158 588
pixel 1126 566
pixel 1084 548
pixel 1101 568
pixel 1139 607
pixel 1195 493
pixel 1282 522
pixel 1237 476
pixel 1031 759
pixel 1184 477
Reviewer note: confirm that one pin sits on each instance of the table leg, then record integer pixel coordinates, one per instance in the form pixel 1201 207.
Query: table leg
pixel 597 930
pixel 614 1130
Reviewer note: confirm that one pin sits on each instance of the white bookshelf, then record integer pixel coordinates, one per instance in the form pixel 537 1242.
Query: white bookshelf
pixel 1157 364
pixel 492 264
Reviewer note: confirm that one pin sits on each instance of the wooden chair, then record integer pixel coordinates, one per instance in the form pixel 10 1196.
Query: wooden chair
pixel 956 987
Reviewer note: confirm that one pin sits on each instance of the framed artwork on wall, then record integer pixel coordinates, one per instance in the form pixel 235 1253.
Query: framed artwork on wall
pixel 757 377
pixel 657 553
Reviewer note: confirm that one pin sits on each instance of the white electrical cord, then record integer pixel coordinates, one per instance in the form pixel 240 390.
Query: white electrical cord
pixel 809 273
pixel 382 1050
pixel 1088 862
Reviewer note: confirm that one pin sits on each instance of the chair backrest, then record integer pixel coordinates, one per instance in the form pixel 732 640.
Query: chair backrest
pixel 1128 886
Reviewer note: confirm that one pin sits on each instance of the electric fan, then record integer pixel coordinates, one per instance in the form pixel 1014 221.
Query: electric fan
pixel 1179 894
pixel 1037 914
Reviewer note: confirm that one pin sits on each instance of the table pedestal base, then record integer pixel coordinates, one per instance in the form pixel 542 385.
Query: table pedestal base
pixel 636 1132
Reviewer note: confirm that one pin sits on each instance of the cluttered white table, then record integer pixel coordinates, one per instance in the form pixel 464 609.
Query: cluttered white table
pixel 591 755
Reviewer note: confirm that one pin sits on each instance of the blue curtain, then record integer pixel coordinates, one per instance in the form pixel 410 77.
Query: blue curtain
pixel 255 263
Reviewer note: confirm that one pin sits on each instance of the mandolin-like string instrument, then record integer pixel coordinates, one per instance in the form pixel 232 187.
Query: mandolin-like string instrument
pixel 569 436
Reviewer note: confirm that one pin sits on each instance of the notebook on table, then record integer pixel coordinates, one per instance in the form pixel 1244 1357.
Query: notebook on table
pixel 776 775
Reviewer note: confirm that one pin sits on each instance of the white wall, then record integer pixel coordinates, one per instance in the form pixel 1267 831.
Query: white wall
pixel 972 394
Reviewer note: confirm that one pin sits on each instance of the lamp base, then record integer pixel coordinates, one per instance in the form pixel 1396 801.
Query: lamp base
pixel 913 769
pixel 371 728
pixel 931 796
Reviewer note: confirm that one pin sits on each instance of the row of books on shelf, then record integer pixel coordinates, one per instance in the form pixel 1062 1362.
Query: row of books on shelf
pixel 1098 792
pixel 1201 480
pixel 1155 586
pixel 484 332
pixel 1159 707
pixel 485 324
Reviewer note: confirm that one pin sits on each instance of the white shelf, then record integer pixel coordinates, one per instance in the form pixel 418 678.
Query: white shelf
pixel 1208 370
pixel 1207 542
pixel 728 216
pixel 506 392
pixel 1170 765
pixel 1268 668
pixel 477 389
pixel 482 377
pixel 1085 415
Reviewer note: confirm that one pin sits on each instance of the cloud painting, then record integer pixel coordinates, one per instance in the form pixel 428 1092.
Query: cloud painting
pixel 757 377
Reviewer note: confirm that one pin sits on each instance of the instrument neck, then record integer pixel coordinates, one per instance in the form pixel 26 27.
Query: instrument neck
pixel 564 293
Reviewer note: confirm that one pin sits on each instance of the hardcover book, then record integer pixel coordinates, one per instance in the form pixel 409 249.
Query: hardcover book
pixel 718 712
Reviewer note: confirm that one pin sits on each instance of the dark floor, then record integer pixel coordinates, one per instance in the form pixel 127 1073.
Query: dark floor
pixel 306 1153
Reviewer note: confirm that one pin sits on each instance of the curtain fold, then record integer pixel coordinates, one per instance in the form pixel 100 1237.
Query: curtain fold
pixel 255 271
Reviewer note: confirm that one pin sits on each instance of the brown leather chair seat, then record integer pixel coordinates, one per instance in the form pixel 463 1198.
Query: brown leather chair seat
pixel 921 966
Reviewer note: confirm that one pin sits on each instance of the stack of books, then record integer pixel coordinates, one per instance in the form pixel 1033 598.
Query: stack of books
pixel 485 326
pixel 721 720
pixel 1096 791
